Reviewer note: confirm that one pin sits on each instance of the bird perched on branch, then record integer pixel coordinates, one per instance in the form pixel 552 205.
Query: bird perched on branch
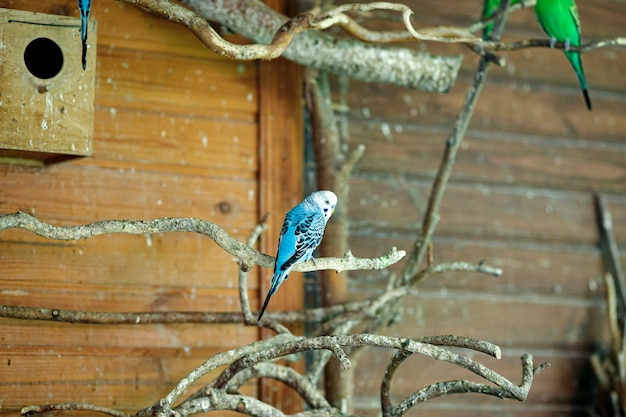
pixel 84 6
pixel 489 8
pixel 560 20
pixel 301 233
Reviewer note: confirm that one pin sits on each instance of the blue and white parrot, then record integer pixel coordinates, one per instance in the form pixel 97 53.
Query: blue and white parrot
pixel 84 6
pixel 301 233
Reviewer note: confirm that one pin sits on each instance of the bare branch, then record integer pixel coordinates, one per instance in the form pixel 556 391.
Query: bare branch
pixel 385 386
pixel 203 31
pixel 464 342
pixel 610 251
pixel 71 406
pixel 106 317
pixel 250 362
pixel 330 342
pixel 247 255
pixel 453 143
pixel 504 388
pixel 173 317
pixel 401 355
pixel 375 306
pixel 444 388
pixel 223 401
pixel 248 317
pixel 480 25
pixel 479 267
pixel 286 375
pixel 405 67
pixel 336 16
pixel 222 359
pixel 545 43
pixel 327 343
pixel 351 160
pixel 274 33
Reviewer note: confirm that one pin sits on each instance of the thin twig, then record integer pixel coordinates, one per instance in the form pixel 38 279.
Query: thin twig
pixel 610 251
pixel 545 43
pixel 612 315
pixel 248 317
pixel 337 16
pixel 479 267
pixel 453 143
pixel 244 302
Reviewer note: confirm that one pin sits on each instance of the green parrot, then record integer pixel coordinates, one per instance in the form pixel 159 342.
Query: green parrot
pixel 489 8
pixel 560 20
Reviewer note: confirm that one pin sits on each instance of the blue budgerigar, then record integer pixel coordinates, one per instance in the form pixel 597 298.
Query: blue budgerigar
pixel 84 6
pixel 301 233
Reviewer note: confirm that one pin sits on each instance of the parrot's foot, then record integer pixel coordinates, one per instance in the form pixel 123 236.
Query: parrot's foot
pixel 567 44
pixel 552 42
pixel 313 260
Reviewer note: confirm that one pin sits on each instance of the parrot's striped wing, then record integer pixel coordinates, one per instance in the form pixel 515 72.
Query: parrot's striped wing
pixel 308 232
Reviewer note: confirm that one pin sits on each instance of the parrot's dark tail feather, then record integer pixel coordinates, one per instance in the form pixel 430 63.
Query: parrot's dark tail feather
pixel 274 284
pixel 587 99
pixel 84 58
pixel 267 300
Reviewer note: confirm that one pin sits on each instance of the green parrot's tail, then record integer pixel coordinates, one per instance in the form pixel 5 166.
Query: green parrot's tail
pixel 587 99
pixel 577 63
pixel 487 31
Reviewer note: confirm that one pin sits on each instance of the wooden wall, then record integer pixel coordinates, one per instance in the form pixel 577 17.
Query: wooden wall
pixel 179 131
pixel 520 197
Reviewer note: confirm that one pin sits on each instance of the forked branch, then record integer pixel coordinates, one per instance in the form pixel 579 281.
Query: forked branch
pixel 252 362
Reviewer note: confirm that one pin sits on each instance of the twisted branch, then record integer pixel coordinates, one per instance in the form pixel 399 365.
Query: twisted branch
pixel 257 22
pixel 246 367
pixel 247 256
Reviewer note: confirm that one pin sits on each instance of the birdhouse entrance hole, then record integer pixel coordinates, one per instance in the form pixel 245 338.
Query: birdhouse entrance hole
pixel 44 58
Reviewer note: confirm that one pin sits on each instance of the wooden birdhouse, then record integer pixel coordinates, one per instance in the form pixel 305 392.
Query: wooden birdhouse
pixel 46 98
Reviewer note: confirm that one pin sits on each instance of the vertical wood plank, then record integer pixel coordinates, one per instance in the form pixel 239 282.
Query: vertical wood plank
pixel 281 166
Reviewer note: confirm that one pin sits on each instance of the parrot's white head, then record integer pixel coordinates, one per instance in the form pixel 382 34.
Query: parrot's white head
pixel 325 200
